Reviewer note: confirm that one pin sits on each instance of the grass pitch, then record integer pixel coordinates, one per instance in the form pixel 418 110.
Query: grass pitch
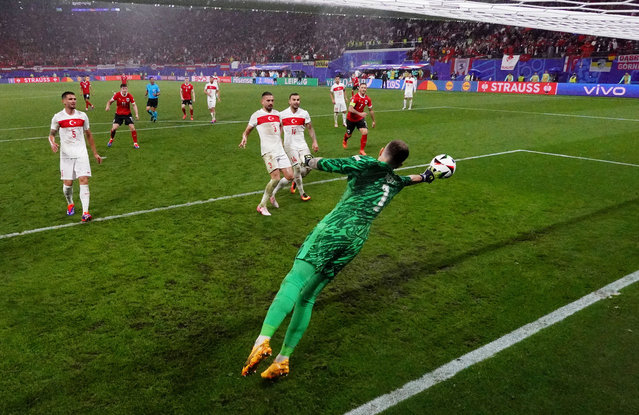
pixel 156 312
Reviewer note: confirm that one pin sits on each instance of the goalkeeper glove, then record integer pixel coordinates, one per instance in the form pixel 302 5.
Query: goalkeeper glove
pixel 427 176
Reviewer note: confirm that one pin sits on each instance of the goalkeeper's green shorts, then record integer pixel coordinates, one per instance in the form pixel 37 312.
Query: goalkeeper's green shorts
pixel 329 248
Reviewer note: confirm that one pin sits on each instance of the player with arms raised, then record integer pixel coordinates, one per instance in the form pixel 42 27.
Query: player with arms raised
pixel 339 104
pixel 73 126
pixel 187 95
pixel 123 100
pixel 335 241
pixel 86 93
pixel 212 91
pixel 267 122
pixel 294 121
pixel 356 117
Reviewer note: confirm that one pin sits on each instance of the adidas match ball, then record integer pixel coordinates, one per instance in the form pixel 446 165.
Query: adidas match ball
pixel 443 164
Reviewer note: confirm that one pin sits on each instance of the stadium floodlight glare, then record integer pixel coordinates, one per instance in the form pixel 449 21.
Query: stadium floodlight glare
pixel 615 19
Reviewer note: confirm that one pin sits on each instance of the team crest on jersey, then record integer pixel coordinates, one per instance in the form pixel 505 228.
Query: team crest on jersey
pixel 390 179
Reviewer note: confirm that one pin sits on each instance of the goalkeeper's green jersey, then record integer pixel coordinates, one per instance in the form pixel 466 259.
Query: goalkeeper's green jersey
pixel 340 235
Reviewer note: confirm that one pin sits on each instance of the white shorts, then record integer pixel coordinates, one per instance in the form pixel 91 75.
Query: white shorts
pixel 211 101
pixel 276 161
pixel 339 106
pixel 408 94
pixel 297 155
pixel 71 169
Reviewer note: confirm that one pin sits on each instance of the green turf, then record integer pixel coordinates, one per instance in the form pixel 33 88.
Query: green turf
pixel 155 313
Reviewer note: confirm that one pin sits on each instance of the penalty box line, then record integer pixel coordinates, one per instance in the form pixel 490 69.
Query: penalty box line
pixel 489 350
pixel 227 197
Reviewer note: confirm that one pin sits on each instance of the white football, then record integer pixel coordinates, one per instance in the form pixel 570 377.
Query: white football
pixel 443 164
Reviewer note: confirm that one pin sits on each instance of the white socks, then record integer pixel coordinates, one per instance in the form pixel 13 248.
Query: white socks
pixel 282 183
pixel 84 197
pixel 280 358
pixel 260 340
pixel 68 193
pixel 268 191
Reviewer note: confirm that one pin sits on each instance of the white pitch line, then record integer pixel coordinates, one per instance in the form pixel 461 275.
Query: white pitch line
pixel 200 202
pixel 580 158
pixel 189 123
pixel 453 367
pixel 551 114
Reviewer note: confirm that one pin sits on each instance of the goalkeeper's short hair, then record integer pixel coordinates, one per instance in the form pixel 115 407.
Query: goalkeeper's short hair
pixel 397 150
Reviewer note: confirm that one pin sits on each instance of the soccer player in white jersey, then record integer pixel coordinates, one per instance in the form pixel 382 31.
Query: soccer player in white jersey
pixel 294 121
pixel 212 91
pixel 337 96
pixel 267 122
pixel 410 86
pixel 73 125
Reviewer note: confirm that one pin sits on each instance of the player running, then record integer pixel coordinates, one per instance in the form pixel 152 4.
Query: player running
pixel 124 79
pixel 73 126
pixel 410 86
pixel 356 117
pixel 124 101
pixel 267 122
pixel 86 93
pixel 152 93
pixel 334 242
pixel 212 91
pixel 337 97
pixel 294 121
pixel 187 95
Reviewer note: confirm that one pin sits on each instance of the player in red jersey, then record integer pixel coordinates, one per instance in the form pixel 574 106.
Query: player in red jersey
pixel 124 79
pixel 187 95
pixel 123 113
pixel 356 117
pixel 86 93
pixel 355 82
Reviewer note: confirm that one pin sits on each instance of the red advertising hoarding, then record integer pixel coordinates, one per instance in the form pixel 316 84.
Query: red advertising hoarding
pixel 540 88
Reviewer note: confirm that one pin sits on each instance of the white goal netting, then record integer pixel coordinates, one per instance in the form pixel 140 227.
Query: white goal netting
pixel 615 19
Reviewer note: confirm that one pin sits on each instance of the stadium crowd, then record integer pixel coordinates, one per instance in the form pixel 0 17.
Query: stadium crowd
pixel 148 34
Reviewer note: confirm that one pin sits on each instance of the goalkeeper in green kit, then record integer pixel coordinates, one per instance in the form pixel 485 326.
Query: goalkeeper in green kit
pixel 334 242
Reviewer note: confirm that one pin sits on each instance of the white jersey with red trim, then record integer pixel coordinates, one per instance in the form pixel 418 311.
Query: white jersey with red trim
pixel 294 124
pixel 410 86
pixel 71 128
pixel 211 88
pixel 338 92
pixel 268 128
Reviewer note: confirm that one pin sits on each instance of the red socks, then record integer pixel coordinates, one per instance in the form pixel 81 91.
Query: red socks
pixel 363 142
pixel 191 111
pixel 134 134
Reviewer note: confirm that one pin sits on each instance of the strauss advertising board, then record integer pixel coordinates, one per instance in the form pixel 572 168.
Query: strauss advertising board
pixel 539 88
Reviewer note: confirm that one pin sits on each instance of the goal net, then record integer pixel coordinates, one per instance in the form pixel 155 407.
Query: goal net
pixel 615 19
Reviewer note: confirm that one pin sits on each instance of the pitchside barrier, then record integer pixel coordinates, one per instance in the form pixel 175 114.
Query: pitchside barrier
pixel 537 88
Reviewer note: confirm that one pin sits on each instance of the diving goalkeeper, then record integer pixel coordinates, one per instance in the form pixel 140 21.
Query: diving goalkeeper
pixel 334 242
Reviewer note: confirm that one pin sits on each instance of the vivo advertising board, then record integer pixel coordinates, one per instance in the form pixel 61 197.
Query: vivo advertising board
pixel 599 90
